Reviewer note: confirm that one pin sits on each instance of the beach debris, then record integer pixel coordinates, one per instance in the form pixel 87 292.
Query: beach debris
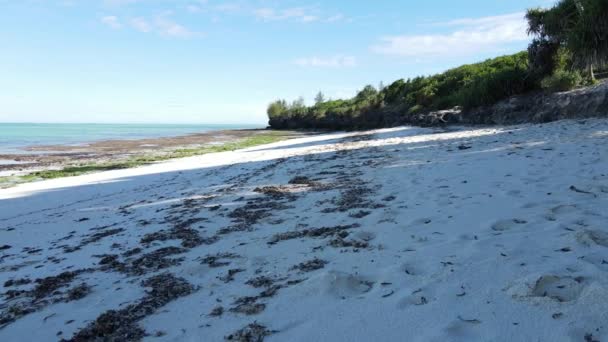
pixel 101 233
pixel 340 242
pixel 48 285
pixel 354 197
pixel 248 306
pixel 270 291
pixel 322 232
pixel 190 237
pixel 575 189
pixel 230 275
pixel 156 260
pixel 122 325
pixel 217 311
pixel 261 281
pixel 253 332
pixel 423 301
pixel 360 214
pixel 276 192
pixel 388 294
pixel 219 260
pixel 47 291
pixel 150 262
pixel 589 338
pixel 301 180
pixel 78 292
pixel 472 321
pixel 132 252
pixel 310 265
pixel 251 213
pixel 17 282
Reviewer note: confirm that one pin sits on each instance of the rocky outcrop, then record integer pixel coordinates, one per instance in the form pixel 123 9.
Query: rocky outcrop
pixel 532 108
pixel 437 118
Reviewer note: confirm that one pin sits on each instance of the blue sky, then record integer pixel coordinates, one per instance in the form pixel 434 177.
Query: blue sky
pixel 211 61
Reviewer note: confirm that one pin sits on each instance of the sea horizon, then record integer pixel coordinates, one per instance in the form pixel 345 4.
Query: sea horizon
pixel 15 137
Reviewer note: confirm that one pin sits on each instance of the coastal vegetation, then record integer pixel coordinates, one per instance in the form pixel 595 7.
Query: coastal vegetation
pixel 570 42
pixel 80 169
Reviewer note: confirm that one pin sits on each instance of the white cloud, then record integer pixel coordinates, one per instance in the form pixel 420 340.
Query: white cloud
pixel 330 62
pixel 162 25
pixel 468 36
pixel 141 25
pixel 197 7
pixel 111 21
pixel 309 18
pixel 194 8
pixel 119 2
pixel 297 13
pixel 167 27
pixel 228 7
pixel 334 18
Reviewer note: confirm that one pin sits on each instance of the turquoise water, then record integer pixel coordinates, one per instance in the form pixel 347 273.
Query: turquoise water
pixel 15 136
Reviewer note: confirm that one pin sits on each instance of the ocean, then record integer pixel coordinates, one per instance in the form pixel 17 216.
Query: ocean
pixel 15 136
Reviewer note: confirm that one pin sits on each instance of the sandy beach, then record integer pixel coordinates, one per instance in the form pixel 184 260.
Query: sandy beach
pixel 401 234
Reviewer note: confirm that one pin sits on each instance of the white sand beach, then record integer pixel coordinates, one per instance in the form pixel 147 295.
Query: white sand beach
pixel 403 234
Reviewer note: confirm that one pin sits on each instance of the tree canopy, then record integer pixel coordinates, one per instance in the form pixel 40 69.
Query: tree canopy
pixel 467 86
pixel 580 26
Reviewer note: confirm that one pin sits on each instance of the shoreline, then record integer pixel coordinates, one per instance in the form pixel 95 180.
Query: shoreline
pixel 41 158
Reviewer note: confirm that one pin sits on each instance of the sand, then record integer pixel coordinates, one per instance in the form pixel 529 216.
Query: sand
pixel 403 234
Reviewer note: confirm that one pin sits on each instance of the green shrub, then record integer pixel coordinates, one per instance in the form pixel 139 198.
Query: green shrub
pixel 467 86
pixel 562 81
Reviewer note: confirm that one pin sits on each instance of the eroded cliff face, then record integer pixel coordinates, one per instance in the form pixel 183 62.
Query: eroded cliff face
pixel 538 108
pixel 532 108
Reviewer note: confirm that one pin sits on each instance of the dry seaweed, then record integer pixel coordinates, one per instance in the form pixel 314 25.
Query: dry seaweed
pixel 121 325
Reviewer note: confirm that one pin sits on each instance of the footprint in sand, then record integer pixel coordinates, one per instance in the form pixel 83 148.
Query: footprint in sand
pixel 530 205
pixel 468 237
pixel 462 329
pixel 593 237
pixel 598 260
pixel 411 269
pixel 514 193
pixel 365 236
pixel 421 222
pixel 344 285
pixel 562 289
pixel 504 225
pixel 563 209
pixel 419 297
pixel 553 287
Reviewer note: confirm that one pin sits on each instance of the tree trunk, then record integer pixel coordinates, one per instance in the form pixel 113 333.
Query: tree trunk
pixel 591 73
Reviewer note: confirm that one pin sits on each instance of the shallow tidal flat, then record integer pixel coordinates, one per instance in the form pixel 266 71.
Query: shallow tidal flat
pixel 47 161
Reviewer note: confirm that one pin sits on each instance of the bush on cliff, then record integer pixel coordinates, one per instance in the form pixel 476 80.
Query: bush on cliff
pixel 467 86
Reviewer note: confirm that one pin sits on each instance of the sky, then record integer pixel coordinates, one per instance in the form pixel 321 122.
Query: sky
pixel 211 61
